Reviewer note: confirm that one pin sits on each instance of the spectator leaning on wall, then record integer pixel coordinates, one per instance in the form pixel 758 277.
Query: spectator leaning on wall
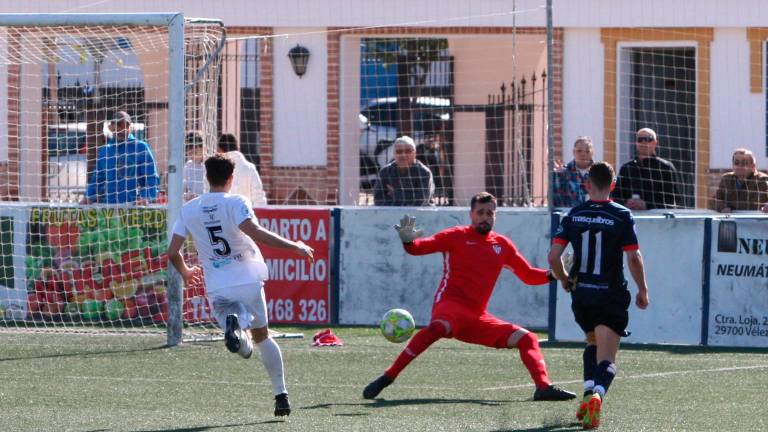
pixel 406 181
pixel 744 188
pixel 569 190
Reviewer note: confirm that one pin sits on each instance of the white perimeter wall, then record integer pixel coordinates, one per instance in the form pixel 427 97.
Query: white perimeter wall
pixel 672 251
pixel 378 275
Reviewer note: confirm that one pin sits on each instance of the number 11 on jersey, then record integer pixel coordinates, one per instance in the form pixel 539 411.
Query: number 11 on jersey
pixel 587 240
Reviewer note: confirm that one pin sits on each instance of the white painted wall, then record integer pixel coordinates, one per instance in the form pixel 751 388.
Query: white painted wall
pixel 737 115
pixel 583 89
pixel 377 274
pixel 307 13
pixel 440 13
pixel 672 250
pixel 660 13
pixel 300 110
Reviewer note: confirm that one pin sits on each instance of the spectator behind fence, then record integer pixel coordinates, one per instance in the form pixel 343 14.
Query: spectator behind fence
pixel 647 181
pixel 569 190
pixel 125 169
pixel 194 170
pixel 406 181
pixel 744 188
pixel 247 181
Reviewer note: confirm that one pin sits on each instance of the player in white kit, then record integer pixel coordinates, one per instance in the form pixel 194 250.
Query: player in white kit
pixel 225 232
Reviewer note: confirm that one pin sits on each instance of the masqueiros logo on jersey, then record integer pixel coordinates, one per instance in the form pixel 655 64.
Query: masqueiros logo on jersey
pixel 594 220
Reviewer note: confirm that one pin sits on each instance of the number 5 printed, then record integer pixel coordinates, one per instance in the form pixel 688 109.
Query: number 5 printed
pixel 224 249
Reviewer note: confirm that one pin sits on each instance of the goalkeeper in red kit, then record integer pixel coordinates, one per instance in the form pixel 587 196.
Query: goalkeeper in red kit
pixel 473 257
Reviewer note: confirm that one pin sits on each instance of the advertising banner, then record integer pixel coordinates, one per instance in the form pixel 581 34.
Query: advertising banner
pixel 738 309
pixel 298 290
pixel 96 264
pixel 13 295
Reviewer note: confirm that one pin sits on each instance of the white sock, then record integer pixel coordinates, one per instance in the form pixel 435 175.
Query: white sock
pixel 599 390
pixel 273 363
pixel 589 385
pixel 246 345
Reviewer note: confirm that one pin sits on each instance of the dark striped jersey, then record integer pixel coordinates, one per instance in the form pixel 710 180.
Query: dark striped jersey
pixel 599 232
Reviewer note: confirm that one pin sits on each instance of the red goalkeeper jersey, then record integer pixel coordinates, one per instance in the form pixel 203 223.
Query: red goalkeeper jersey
pixel 472 263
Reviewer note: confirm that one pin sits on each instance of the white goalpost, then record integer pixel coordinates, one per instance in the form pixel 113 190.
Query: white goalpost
pixel 96 114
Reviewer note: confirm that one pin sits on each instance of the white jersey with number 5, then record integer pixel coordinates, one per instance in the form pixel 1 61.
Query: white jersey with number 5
pixel 228 256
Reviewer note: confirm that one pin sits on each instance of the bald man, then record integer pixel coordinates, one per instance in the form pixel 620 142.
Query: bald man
pixel 647 181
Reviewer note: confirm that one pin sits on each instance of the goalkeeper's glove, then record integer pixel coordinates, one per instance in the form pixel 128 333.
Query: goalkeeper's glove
pixel 407 229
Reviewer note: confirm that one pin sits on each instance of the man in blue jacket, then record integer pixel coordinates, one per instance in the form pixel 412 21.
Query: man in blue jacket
pixel 125 169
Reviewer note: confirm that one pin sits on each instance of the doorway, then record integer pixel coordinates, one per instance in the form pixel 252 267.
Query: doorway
pixel 658 90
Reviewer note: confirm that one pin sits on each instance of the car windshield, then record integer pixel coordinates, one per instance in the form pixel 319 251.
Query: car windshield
pixel 428 112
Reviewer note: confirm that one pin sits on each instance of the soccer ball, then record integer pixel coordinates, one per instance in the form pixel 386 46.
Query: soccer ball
pixel 397 325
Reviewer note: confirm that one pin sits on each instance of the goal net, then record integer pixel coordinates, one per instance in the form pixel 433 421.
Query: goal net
pixel 99 116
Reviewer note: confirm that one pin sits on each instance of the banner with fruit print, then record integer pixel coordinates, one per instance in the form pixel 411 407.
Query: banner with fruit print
pixel 96 264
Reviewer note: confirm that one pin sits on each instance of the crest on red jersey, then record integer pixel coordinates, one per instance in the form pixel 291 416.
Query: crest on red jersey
pixel 497 249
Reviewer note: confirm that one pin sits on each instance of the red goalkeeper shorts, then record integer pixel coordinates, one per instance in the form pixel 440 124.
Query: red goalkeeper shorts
pixel 471 326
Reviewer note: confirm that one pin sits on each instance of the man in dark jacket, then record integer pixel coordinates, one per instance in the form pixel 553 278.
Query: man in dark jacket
pixel 648 181
pixel 405 181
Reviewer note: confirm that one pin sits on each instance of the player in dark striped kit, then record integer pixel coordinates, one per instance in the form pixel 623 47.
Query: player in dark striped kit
pixel 601 232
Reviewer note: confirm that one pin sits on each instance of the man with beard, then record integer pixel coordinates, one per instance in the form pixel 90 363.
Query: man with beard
pixel 473 256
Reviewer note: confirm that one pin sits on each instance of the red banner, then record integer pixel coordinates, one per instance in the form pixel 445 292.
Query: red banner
pixel 297 290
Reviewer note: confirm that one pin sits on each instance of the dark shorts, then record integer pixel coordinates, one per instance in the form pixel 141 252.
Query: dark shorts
pixel 475 327
pixel 612 314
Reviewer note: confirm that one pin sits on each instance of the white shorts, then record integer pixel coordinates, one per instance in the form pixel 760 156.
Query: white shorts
pixel 247 301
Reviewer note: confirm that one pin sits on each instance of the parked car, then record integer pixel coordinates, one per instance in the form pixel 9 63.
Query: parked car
pixel 379 122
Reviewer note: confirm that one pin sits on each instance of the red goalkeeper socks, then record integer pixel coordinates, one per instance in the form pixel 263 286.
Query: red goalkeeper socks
pixel 420 342
pixel 530 354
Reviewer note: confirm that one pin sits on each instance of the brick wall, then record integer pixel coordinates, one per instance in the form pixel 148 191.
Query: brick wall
pixel 9 172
